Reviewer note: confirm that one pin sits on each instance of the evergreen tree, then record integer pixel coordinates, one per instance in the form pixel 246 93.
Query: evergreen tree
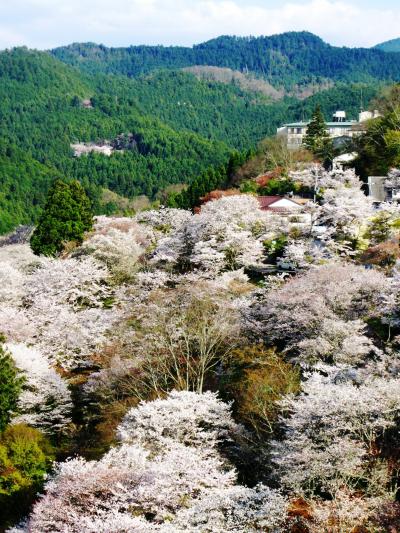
pixel 10 386
pixel 66 217
pixel 316 136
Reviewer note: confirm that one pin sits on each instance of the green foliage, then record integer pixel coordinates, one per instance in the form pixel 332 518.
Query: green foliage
pixel 278 187
pixel 379 227
pixel 66 217
pixel 379 148
pixel 274 248
pixel 257 379
pixel 10 386
pixel 25 457
pixel 317 139
pixel 316 134
pixel 293 59
pixel 198 124
pixel 208 181
pixel 249 186
pixel 389 46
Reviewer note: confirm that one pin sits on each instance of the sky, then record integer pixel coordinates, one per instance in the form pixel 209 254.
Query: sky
pixel 45 24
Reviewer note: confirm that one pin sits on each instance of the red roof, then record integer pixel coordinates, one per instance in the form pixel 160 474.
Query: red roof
pixel 267 202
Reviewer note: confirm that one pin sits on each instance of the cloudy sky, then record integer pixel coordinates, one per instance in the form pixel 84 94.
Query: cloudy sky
pixel 48 23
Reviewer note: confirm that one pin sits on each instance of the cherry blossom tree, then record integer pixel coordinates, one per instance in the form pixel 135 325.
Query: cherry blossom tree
pixel 166 475
pixel 184 334
pixel 314 307
pixel 331 433
pixel 345 211
pixel 301 254
pixel 227 234
pixel 179 418
pixel 45 401
pixel 118 243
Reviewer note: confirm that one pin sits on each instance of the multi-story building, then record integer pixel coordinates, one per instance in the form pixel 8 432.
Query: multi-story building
pixel 338 128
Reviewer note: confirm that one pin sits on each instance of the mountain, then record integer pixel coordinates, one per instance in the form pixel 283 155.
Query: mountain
pixel 286 60
pixel 166 126
pixel 41 115
pixel 389 46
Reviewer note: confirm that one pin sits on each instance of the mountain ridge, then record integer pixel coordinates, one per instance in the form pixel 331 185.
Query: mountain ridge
pixel 178 125
pixel 284 60
pixel 393 45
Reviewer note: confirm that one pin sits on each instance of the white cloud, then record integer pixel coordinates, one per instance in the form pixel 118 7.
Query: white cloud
pixel 49 23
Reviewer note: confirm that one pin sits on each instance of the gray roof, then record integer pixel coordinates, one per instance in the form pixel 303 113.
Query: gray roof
pixel 329 124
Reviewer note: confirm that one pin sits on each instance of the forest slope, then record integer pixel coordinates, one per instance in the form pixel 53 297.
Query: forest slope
pixel 285 60
pixel 173 127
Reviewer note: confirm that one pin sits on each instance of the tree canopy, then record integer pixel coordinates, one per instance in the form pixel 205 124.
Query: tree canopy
pixel 66 217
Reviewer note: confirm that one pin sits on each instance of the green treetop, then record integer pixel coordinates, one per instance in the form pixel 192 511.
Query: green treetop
pixel 65 218
pixel 10 386
pixel 316 135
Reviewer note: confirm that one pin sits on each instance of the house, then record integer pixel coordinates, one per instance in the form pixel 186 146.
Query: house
pixel 339 128
pixel 279 204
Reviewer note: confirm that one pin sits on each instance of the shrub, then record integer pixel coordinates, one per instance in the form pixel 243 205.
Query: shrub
pixel 259 378
pixel 25 456
pixel 384 254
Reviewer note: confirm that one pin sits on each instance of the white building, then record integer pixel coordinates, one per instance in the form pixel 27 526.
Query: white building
pixel 339 127
pixel 382 190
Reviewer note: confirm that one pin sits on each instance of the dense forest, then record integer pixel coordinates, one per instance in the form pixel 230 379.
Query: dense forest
pixel 169 126
pixel 389 46
pixel 286 60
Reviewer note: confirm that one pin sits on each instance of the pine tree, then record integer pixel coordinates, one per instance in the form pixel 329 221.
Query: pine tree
pixel 66 216
pixel 10 386
pixel 316 135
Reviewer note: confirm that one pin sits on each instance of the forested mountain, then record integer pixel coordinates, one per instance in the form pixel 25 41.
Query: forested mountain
pixel 286 60
pixel 41 115
pixel 174 126
pixel 389 46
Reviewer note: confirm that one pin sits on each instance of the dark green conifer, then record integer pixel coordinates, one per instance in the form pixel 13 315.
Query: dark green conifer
pixel 316 135
pixel 66 217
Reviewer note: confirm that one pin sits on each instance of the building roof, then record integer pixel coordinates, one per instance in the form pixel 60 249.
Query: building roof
pixel 267 202
pixel 348 123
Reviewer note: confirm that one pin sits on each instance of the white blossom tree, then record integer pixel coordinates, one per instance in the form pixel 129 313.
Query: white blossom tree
pixel 227 234
pixel 166 475
pixel 45 401
pixel 310 312
pixel 119 243
pixel 331 434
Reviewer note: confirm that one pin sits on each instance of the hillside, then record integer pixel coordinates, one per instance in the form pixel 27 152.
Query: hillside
pixel 174 125
pixel 286 61
pixel 41 115
pixel 389 46
pixel 231 370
